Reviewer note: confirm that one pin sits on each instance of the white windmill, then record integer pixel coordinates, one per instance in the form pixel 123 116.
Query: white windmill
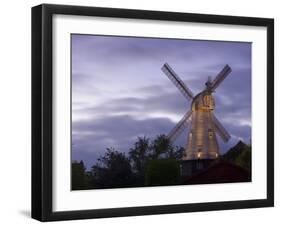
pixel 203 125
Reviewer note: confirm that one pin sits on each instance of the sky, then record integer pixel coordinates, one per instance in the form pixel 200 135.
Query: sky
pixel 119 92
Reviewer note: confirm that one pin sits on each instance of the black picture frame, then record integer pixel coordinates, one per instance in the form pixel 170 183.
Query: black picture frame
pixel 42 106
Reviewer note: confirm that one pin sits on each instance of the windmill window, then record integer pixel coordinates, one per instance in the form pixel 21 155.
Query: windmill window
pixel 210 133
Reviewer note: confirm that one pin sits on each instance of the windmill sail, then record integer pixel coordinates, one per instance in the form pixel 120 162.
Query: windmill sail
pixel 201 140
pixel 179 127
pixel 220 77
pixel 177 81
pixel 220 129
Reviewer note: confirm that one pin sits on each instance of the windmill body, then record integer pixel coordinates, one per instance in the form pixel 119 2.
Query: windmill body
pixel 200 118
pixel 201 140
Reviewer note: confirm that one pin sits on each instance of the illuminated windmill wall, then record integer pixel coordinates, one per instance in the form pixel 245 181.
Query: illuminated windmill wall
pixel 200 119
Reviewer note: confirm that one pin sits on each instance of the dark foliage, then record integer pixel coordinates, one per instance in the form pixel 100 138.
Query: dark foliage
pixel 113 170
pixel 160 147
pixel 139 156
pixel 78 176
pixel 148 163
pixel 162 172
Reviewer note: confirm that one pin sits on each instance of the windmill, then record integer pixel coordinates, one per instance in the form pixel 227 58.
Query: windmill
pixel 200 119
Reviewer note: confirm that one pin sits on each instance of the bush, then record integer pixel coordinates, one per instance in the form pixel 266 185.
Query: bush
pixel 162 172
pixel 78 175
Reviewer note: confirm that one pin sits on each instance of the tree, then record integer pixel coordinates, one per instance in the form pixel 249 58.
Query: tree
pixel 139 156
pixel 78 175
pixel 113 170
pixel 175 152
pixel 162 172
pixel 145 151
pixel 160 147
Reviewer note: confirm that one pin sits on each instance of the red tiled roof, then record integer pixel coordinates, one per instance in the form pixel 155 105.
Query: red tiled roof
pixel 221 172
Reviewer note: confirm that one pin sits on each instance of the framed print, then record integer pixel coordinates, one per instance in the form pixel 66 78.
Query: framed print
pixel 145 112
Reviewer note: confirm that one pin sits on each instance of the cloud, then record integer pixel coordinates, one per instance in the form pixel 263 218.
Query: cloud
pixel 119 91
pixel 94 136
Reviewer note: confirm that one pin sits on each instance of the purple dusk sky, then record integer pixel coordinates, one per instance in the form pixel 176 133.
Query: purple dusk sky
pixel 119 91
